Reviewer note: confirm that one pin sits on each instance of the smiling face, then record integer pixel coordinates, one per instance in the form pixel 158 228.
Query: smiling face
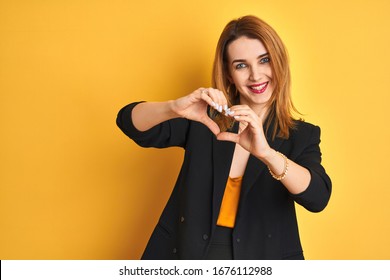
pixel 250 71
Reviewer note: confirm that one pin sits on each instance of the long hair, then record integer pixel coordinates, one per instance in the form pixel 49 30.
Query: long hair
pixel 280 104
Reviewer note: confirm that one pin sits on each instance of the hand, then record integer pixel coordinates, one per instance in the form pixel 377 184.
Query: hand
pixel 251 134
pixel 194 106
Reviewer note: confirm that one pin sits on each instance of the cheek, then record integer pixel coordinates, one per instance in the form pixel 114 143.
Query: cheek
pixel 269 72
pixel 238 77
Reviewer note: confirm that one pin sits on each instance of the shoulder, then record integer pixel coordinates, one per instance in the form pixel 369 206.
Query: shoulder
pixel 304 137
pixel 304 129
pixel 303 125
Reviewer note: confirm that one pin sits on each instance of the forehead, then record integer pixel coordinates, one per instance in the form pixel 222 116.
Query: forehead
pixel 245 48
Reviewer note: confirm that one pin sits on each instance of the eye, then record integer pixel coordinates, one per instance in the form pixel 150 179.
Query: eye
pixel 240 65
pixel 265 60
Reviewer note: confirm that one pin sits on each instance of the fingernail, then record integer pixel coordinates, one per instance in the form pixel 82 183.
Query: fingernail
pixel 216 106
pixel 220 108
pixel 231 112
pixel 225 107
pixel 213 104
pixel 236 117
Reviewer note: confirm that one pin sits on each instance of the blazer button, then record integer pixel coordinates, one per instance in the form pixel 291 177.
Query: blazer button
pixel 182 219
pixel 174 250
pixel 205 237
pixel 238 240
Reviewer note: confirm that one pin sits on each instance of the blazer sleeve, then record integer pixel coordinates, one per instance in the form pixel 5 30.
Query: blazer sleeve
pixel 166 134
pixel 317 195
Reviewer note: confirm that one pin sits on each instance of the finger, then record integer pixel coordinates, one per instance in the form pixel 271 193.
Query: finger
pixel 229 112
pixel 249 120
pixel 243 125
pixel 214 97
pixel 222 99
pixel 240 106
pixel 240 109
pixel 228 136
pixel 240 112
pixel 204 95
pixel 214 128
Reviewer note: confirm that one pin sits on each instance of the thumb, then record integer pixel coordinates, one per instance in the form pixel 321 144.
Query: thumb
pixel 211 125
pixel 228 136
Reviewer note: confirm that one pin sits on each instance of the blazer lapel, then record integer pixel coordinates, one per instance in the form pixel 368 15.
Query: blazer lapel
pixel 255 167
pixel 222 160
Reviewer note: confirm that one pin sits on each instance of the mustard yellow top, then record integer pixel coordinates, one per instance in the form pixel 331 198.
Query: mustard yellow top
pixel 231 197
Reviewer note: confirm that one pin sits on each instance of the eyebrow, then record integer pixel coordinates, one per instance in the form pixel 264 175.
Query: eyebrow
pixel 243 60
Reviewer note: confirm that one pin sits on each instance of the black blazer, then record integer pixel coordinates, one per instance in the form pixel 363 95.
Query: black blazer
pixel 266 225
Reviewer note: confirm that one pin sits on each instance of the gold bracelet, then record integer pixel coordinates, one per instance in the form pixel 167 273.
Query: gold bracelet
pixel 281 176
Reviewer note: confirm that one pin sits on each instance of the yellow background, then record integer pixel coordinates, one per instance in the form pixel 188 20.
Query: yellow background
pixel 72 186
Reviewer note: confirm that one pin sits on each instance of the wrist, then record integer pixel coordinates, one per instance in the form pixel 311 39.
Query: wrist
pixel 268 156
pixel 172 109
pixel 281 174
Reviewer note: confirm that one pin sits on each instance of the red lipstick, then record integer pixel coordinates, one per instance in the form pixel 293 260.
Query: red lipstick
pixel 258 88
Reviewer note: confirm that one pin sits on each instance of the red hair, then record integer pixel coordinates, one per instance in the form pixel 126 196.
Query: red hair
pixel 280 104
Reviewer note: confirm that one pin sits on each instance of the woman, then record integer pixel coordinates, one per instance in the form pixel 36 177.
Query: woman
pixel 247 160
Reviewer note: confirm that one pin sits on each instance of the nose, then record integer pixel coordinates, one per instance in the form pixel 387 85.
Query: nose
pixel 254 74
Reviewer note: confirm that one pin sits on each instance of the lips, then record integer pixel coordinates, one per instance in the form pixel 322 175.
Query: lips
pixel 258 88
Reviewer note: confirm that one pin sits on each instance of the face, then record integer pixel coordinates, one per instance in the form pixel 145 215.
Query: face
pixel 250 71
